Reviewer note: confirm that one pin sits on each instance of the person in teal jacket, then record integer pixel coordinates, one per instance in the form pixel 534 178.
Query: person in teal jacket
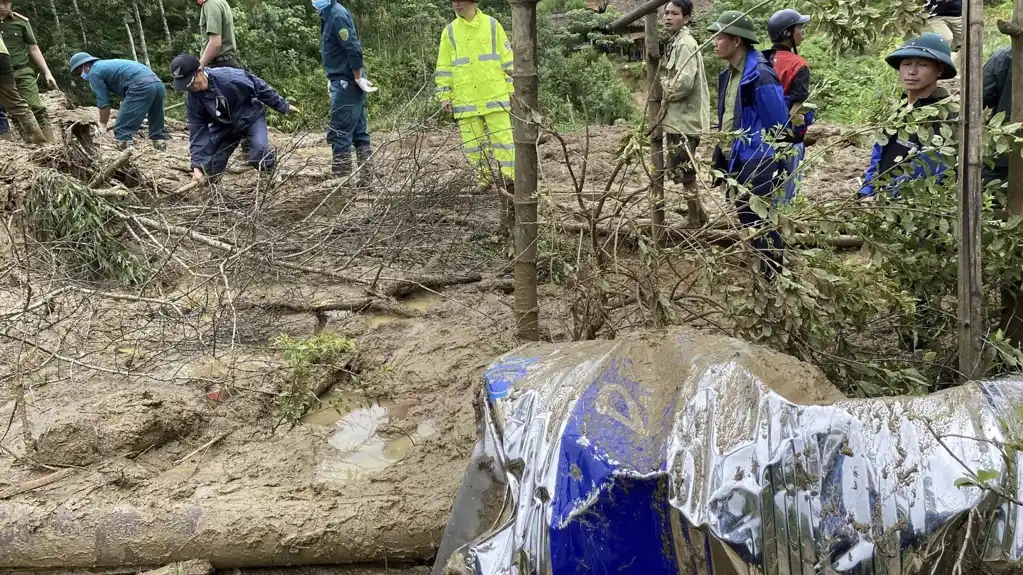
pixel 141 91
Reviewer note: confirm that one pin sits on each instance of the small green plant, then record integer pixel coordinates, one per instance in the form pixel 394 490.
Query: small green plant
pixel 312 363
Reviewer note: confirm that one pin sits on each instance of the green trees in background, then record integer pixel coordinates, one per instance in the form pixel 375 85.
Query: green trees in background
pixel 279 40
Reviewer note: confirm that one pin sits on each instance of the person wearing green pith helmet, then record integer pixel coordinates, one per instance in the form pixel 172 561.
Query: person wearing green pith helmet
pixel 750 101
pixel 921 62
pixel 141 91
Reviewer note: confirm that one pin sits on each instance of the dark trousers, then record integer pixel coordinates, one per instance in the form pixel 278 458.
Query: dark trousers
pixel 224 141
pixel 348 122
pixel 760 177
pixel 142 101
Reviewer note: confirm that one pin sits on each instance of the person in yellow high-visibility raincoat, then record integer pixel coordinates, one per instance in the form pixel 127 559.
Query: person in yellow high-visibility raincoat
pixel 474 83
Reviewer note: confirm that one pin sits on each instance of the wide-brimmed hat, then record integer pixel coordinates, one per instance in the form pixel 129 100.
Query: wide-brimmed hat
pixel 735 23
pixel 80 59
pixel 929 46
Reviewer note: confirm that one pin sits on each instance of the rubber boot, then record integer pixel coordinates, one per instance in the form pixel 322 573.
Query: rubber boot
pixel 341 167
pixel 697 216
pixel 364 157
pixel 47 130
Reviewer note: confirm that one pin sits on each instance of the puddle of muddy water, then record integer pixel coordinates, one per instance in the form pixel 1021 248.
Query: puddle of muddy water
pixel 358 448
pixel 421 300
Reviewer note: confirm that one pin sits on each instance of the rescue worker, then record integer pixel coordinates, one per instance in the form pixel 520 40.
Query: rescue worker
pixel 750 101
pixel 224 106
pixel 686 103
pixel 945 18
pixel 998 98
pixel 474 84
pixel 341 53
pixel 141 91
pixel 921 62
pixel 216 28
pixel 11 100
pixel 785 28
pixel 21 43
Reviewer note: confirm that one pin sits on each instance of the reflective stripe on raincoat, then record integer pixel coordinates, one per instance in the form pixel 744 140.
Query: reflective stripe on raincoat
pixel 474 65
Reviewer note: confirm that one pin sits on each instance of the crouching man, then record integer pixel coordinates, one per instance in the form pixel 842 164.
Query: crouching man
pixel 225 106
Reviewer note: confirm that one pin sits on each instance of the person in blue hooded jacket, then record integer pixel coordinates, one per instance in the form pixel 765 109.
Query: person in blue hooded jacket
pixel 341 53
pixel 921 62
pixel 751 101
pixel 224 106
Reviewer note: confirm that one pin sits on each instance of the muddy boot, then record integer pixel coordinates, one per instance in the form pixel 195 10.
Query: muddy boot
pixel 47 131
pixel 341 167
pixel 696 216
pixel 364 157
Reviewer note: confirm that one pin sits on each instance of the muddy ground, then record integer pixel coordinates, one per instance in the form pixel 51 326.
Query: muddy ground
pixel 162 406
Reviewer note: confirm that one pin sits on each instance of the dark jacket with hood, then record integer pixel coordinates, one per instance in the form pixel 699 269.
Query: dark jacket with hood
pixel 884 159
pixel 998 97
pixel 759 110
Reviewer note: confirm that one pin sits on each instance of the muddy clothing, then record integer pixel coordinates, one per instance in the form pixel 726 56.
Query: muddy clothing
pixel 891 164
pixel 231 109
pixel 18 35
pixel 14 103
pixel 684 79
pixel 998 97
pixel 216 18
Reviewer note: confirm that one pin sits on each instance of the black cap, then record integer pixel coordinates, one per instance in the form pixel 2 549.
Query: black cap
pixel 183 69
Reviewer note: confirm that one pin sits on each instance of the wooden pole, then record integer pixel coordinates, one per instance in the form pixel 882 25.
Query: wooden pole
pixel 971 328
pixel 653 67
pixel 640 11
pixel 524 105
pixel 1012 298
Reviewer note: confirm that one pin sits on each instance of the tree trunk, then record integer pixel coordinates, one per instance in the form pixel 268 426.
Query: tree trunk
pixel 142 32
pixel 1012 296
pixel 163 19
pixel 971 123
pixel 56 22
pixel 653 67
pixel 525 104
pixel 131 39
pixel 81 24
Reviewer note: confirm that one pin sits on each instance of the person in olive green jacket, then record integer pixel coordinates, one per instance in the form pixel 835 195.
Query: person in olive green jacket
pixel 686 103
pixel 24 50
pixel 14 103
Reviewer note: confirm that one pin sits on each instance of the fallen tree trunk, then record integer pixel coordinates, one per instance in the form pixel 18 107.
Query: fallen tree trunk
pixel 354 305
pixel 194 567
pixel 227 533
pixel 405 286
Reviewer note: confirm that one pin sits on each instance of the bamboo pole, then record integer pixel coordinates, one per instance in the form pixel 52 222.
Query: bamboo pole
pixel 971 124
pixel 524 106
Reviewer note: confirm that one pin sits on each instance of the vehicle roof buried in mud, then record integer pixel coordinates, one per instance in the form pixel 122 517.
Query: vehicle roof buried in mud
pixel 691 453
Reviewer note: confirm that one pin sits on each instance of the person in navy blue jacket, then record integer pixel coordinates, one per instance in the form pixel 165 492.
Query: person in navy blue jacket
pixel 341 53
pixel 921 62
pixel 750 100
pixel 225 105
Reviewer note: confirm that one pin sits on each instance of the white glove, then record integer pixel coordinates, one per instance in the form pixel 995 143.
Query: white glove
pixel 366 86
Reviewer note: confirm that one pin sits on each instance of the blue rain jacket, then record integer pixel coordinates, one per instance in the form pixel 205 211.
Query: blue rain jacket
pixel 760 105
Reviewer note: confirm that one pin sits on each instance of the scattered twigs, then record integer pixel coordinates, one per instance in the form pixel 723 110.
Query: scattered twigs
pixel 206 445
pixel 109 171
pixel 37 483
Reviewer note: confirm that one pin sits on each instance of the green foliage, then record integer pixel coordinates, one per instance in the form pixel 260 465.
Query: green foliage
pixel 82 231
pixel 309 361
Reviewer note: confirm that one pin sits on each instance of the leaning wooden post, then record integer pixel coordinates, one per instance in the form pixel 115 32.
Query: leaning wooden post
pixel 1012 298
pixel 524 106
pixel 653 110
pixel 971 328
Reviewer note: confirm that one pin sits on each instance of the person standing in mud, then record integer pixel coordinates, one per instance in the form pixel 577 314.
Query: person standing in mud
pixel 141 91
pixel 24 50
pixel 751 102
pixel 686 104
pixel 224 106
pixel 921 62
pixel 11 100
pixel 341 55
pixel 786 31
pixel 474 84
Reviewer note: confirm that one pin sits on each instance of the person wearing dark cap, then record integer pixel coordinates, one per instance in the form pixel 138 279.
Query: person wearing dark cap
pixel 786 31
pixel 750 101
pixel 225 106
pixel 141 91
pixel 686 103
pixel 921 62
